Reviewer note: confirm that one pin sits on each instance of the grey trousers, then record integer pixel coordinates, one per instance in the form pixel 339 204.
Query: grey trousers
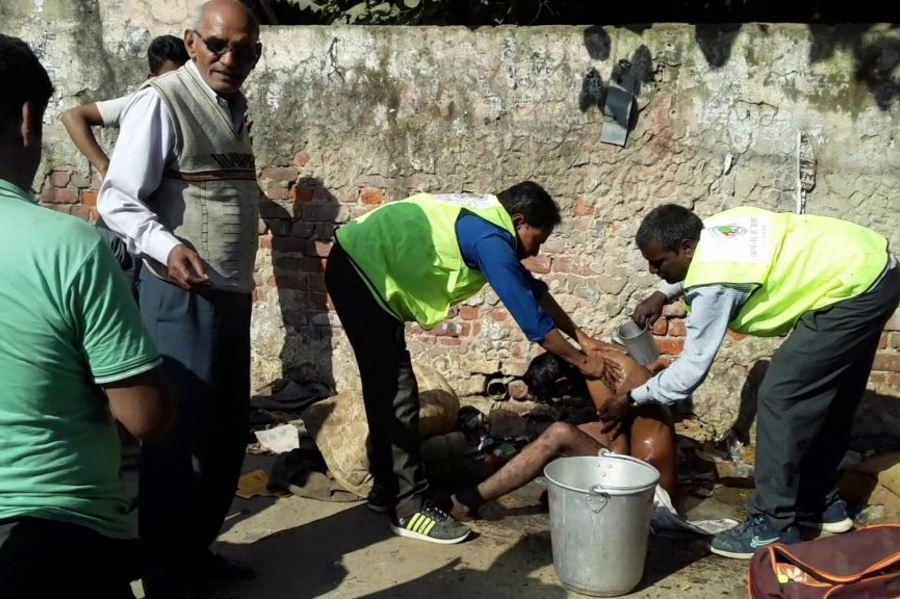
pixel 808 400
pixel 187 481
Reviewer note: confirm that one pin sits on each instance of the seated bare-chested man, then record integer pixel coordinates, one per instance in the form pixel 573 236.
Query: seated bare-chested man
pixel 649 436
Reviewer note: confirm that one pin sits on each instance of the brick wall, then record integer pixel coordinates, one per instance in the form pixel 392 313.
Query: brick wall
pixel 347 118
pixel 297 231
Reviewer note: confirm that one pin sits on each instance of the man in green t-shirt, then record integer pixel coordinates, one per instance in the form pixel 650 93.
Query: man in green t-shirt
pixel 73 356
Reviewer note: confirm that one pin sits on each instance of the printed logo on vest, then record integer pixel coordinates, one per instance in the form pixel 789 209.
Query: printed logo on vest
pixel 732 231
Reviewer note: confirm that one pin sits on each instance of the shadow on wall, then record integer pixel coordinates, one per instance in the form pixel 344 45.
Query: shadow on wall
pixel 301 239
pixel 875 59
pixel 876 427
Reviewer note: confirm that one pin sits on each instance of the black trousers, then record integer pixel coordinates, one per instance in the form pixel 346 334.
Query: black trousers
pixel 808 400
pixel 47 559
pixel 389 386
pixel 187 481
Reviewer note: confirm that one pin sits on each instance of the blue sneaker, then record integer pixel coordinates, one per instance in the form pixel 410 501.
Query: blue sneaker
pixel 835 519
pixel 742 541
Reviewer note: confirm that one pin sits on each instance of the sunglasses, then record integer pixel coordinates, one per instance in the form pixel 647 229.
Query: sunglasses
pixel 220 47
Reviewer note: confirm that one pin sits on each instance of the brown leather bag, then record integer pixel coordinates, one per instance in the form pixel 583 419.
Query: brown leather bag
pixel 863 564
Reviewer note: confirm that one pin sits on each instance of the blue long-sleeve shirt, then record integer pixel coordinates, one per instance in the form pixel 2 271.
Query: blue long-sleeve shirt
pixel 491 250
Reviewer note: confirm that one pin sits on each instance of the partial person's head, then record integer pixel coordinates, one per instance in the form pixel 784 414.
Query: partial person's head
pixel 667 238
pixel 22 106
pixel 166 53
pixel 224 42
pixel 534 215
pixel 549 376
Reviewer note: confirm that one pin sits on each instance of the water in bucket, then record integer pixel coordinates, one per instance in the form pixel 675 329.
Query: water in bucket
pixel 600 510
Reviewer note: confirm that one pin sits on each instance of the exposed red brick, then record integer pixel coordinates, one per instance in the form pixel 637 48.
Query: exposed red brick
pixel 677 328
pixel 280 227
pixel 89 198
pixel 58 195
pixel 567 264
pixel 302 193
pixel 660 327
pixel 886 379
pixel 476 329
pixel 499 314
pixel 301 158
pixel 60 178
pixel 80 181
pixel 318 248
pixel 277 192
pixel 468 312
pixel 324 232
pixel 883 341
pixel 894 340
pixel 888 362
pixel 289 245
pixel 279 173
pixel 371 196
pixel 272 281
pixel 736 336
pixel 894 323
pixel 669 346
pixel 85 213
pixel 582 209
pixel 315 282
pixel 674 310
pixel 538 264
pixel 292 280
pixel 265 242
pixel 450 341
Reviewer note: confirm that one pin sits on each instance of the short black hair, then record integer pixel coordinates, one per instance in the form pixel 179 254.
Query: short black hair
pixel 24 80
pixel 550 376
pixel 163 48
pixel 669 224
pixel 533 202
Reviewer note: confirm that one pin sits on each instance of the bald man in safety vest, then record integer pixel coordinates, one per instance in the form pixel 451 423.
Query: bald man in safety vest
pixel 829 286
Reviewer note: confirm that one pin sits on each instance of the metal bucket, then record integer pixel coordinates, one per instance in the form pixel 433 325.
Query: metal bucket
pixel 600 509
pixel 639 342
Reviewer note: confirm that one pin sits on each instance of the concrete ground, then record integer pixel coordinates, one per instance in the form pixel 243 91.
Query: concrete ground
pixel 303 549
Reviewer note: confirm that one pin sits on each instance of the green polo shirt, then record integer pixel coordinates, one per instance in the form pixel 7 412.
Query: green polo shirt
pixel 68 324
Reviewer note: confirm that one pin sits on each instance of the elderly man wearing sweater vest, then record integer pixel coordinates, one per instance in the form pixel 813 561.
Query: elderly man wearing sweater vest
pixel 181 191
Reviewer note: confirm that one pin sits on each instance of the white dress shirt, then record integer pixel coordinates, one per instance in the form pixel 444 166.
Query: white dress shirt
pixel 145 146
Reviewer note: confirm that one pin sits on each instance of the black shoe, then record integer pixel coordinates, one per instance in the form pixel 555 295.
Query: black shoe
pixel 381 501
pixel 215 567
pixel 742 541
pixel 431 524
pixel 835 519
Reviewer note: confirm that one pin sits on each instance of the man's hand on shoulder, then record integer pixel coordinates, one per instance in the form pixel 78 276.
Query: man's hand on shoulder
pixel 186 269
